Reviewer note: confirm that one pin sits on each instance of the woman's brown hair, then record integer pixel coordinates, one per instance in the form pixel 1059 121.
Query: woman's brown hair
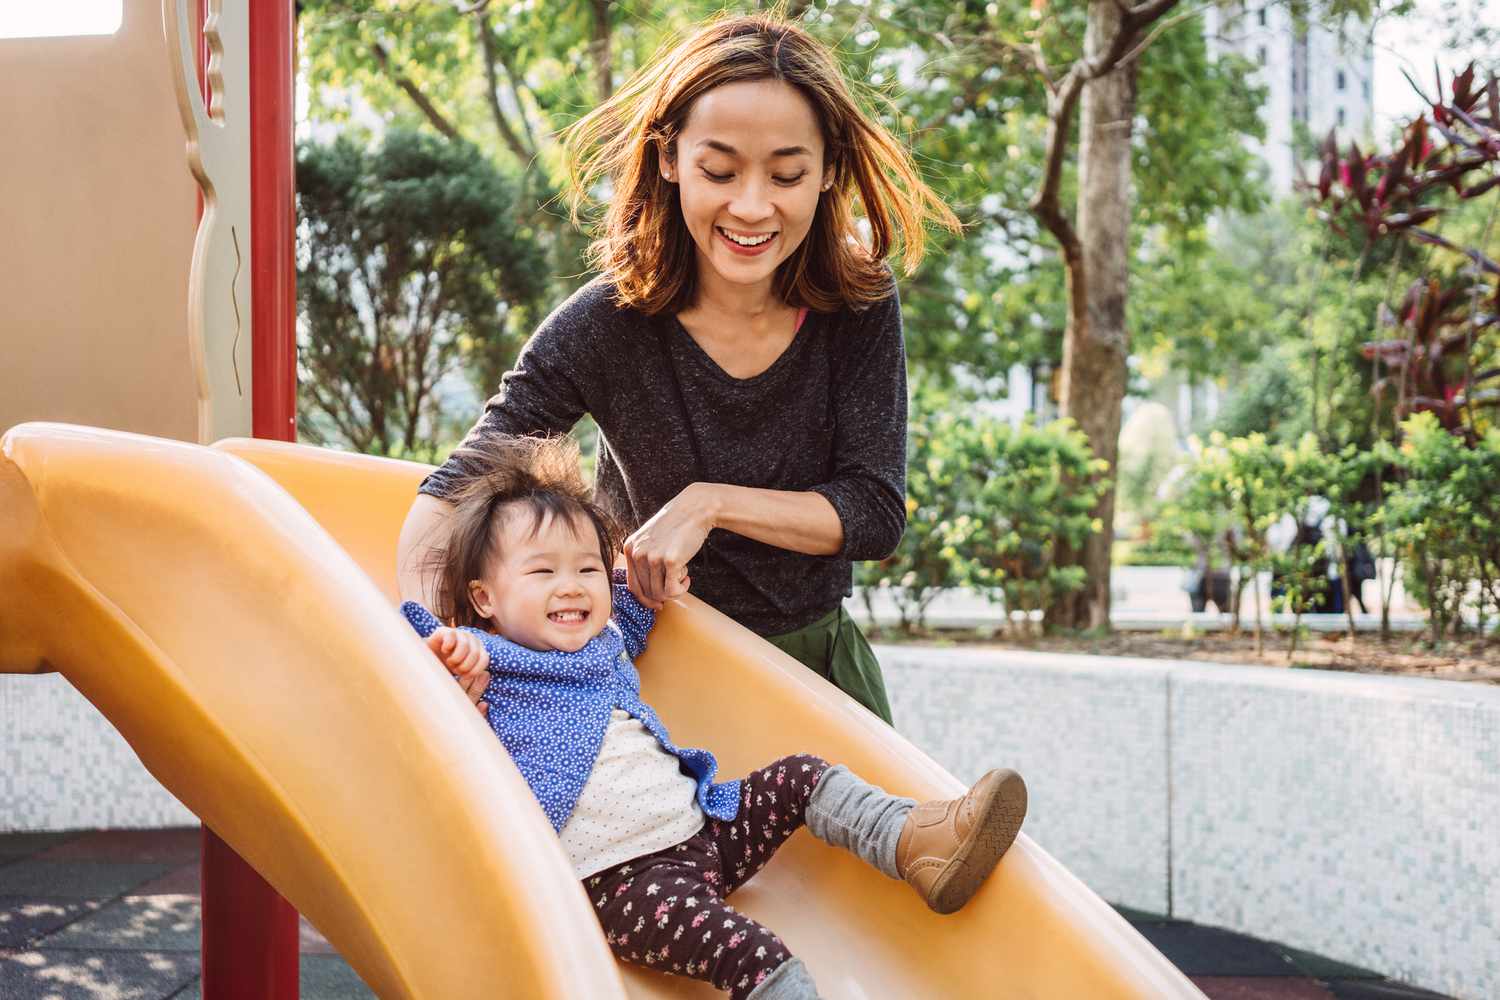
pixel 530 476
pixel 642 244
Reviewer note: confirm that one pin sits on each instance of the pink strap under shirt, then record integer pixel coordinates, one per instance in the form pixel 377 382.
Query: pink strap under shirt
pixel 801 315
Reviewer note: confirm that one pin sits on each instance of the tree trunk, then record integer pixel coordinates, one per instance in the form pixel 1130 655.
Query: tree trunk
pixel 1260 642
pixel 1096 342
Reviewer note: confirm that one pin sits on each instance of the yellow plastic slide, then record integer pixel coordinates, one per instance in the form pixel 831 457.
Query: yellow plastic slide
pixel 242 635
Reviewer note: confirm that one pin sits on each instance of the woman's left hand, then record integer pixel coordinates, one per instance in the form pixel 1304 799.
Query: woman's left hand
pixel 657 554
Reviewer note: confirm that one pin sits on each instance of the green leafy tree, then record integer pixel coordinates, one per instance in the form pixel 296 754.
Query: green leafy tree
pixel 1350 482
pixel 1019 84
pixel 410 270
pixel 1198 514
pixel 499 80
pixel 1244 472
pixel 988 507
pixel 923 565
pixel 1296 477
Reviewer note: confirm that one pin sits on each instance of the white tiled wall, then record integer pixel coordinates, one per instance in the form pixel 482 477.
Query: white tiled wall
pixel 63 767
pixel 1092 746
pixel 1357 817
pixel 1354 816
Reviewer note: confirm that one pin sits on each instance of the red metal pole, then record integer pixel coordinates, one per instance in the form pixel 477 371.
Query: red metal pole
pixel 249 933
pixel 273 273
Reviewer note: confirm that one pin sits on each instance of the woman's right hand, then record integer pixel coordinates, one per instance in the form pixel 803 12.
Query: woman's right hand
pixel 465 657
pixel 658 552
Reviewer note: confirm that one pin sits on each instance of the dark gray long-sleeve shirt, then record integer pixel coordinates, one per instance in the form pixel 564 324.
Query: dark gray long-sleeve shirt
pixel 828 416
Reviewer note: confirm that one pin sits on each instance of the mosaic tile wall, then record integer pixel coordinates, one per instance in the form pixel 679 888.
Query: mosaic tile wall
pixel 1358 817
pixel 1090 743
pixel 63 767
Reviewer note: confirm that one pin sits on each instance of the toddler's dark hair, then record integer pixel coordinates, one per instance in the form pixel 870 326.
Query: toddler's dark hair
pixel 535 476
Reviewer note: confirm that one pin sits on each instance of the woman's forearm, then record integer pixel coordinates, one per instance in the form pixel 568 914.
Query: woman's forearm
pixel 800 522
pixel 422 534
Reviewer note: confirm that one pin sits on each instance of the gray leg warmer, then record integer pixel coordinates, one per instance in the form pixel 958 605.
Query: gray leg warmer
pixel 848 812
pixel 790 981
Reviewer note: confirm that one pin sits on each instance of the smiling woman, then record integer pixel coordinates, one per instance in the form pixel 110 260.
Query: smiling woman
pixel 741 348
pixel 50 20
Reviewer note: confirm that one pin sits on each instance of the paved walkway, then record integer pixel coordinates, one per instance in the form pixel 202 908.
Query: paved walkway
pixel 1147 598
pixel 113 915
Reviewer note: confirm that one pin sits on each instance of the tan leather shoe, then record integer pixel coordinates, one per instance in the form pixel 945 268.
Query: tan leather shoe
pixel 948 848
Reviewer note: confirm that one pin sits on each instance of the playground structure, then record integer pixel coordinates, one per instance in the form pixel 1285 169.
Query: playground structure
pixel 230 609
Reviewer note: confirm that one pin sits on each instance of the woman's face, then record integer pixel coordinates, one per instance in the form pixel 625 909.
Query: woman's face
pixel 749 165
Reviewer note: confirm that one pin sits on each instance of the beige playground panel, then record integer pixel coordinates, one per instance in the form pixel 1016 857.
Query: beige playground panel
pixel 98 210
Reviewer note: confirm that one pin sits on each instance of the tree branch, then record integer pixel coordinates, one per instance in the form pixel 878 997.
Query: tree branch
pixel 502 123
pixel 1131 25
pixel 1143 14
pixel 600 48
pixel 434 116
pixel 1061 108
pixel 1032 56
pixel 517 86
pixel 1156 33
pixel 1063 104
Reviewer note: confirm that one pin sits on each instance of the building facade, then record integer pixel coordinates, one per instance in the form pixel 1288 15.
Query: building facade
pixel 1317 78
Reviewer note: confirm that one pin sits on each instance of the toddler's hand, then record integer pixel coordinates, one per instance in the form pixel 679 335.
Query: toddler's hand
pixel 466 659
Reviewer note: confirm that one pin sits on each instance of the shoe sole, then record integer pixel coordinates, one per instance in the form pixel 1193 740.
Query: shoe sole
pixel 1002 810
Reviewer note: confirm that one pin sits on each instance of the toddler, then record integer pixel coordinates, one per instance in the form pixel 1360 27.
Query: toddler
pixel 658 842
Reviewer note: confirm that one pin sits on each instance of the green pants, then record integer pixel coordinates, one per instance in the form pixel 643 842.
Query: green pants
pixel 835 648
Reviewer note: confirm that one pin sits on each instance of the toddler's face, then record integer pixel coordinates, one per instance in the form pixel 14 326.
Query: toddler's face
pixel 548 590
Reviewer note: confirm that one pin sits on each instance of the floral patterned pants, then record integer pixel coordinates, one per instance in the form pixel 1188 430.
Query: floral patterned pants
pixel 667 910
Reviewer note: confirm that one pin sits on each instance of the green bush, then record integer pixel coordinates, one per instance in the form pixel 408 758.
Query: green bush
pixel 1440 515
pixel 1236 490
pixel 1444 517
pixel 988 505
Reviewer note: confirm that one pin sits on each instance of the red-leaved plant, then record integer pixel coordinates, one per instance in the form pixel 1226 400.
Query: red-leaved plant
pixel 1443 323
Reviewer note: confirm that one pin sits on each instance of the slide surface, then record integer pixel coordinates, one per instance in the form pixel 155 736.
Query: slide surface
pixel 231 610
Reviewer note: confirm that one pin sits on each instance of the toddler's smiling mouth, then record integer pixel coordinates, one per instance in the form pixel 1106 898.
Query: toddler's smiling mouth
pixel 568 616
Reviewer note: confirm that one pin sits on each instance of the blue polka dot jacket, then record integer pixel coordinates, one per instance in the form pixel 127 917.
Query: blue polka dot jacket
pixel 550 709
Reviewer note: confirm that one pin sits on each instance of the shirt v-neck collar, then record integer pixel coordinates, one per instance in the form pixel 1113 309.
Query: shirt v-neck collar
pixel 706 361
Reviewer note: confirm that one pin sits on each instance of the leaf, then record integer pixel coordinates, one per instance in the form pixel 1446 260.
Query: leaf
pixel 1451 135
pixel 1429 237
pixel 1464 117
pixel 1403 220
pixel 1480 188
pixel 1461 85
pixel 1419 145
pixel 1394 175
pixel 1483 261
pixel 1417 87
